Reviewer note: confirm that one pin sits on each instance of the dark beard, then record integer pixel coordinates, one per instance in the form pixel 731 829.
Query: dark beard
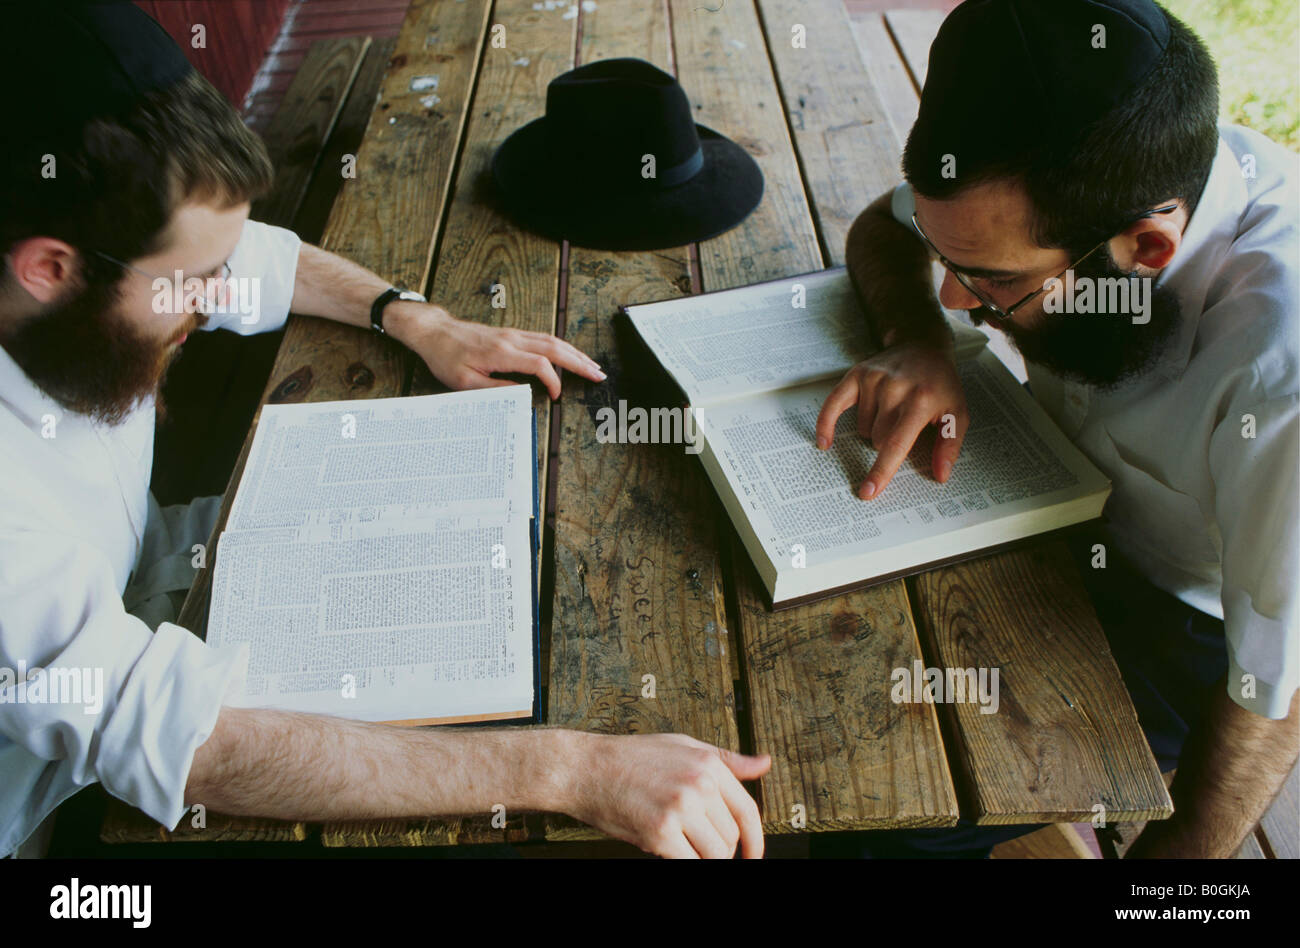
pixel 84 354
pixel 1103 350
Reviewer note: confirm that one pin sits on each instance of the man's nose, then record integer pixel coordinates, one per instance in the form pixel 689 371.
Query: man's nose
pixel 952 295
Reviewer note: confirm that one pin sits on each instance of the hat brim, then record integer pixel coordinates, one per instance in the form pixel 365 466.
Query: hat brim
pixel 555 201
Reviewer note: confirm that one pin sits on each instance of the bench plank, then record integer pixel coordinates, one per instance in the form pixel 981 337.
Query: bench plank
pixel 819 701
pixel 913 32
pixel 888 72
pixel 348 135
pixel 1065 736
pixel 304 122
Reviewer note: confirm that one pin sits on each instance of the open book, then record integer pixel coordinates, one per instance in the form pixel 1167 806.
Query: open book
pixel 380 557
pixel 756 367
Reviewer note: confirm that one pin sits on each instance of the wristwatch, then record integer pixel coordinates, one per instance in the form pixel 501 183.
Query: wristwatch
pixel 383 299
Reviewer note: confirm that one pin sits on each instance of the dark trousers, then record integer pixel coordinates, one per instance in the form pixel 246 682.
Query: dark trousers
pixel 1171 657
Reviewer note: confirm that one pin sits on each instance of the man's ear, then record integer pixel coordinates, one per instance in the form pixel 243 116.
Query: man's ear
pixel 1151 242
pixel 45 267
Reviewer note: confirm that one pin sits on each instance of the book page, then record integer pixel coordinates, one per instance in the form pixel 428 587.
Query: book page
pixel 795 494
pixel 378 557
pixel 381 621
pixel 388 459
pixel 763 337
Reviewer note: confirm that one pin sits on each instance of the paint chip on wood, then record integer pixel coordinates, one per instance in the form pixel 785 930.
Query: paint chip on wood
pixel 421 83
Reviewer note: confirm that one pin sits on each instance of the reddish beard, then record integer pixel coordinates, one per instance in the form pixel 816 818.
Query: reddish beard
pixel 85 354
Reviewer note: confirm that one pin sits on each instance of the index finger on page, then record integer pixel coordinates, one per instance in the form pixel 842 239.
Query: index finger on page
pixel 893 452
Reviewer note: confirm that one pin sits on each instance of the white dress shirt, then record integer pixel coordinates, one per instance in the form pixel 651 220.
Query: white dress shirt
pixel 74 519
pixel 1205 511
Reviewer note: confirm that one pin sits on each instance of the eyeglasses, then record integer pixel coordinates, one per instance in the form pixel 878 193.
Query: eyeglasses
pixel 1004 315
pixel 214 287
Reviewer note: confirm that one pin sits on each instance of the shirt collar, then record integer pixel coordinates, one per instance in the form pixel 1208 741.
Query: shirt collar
pixel 1206 239
pixel 22 396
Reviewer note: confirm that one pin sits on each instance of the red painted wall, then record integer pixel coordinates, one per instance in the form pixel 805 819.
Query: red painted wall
pixel 239 33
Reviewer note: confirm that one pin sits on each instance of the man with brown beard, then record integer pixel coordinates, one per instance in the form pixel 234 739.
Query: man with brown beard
pixel 127 172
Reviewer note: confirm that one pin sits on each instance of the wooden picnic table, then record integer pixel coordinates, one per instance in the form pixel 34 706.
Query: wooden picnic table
pixel 642 572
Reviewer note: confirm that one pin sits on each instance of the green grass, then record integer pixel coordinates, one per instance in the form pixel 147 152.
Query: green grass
pixel 1255 44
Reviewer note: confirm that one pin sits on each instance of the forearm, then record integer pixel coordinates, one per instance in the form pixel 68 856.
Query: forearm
pixel 891 270
pixel 1231 769
pixel 313 767
pixel 332 287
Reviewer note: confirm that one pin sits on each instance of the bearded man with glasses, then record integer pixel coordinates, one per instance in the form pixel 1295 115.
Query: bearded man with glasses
pixel 1076 143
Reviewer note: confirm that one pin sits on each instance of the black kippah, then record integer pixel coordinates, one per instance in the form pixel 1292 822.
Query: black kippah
pixel 65 63
pixel 1019 72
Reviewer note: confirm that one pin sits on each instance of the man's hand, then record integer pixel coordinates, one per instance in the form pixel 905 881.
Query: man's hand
pixel 460 354
pixel 463 354
pixel 670 794
pixel 898 392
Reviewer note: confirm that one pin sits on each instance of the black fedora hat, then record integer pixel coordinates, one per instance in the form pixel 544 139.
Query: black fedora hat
pixel 617 164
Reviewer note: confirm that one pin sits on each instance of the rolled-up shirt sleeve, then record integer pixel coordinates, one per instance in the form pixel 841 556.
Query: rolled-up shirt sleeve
pixel 263 268
pixel 120 704
pixel 1253 461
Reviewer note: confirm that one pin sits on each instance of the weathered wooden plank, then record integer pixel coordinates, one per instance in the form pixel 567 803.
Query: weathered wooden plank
pixel 1065 736
pixel 305 120
pixel 403 173
pixel 479 249
pixel 913 32
pixel 349 133
pixel 888 72
pixel 638 584
pixel 817 675
pixel 847 147
pixel 1281 823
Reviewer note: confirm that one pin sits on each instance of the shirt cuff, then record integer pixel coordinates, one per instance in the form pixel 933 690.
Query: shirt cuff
pixel 1255 643
pixel 167 708
pixel 263 268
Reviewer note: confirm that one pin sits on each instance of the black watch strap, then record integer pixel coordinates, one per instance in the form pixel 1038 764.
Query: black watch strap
pixel 377 308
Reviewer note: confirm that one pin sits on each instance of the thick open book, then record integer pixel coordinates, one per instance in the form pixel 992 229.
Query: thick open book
pixel 756 367
pixel 380 557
